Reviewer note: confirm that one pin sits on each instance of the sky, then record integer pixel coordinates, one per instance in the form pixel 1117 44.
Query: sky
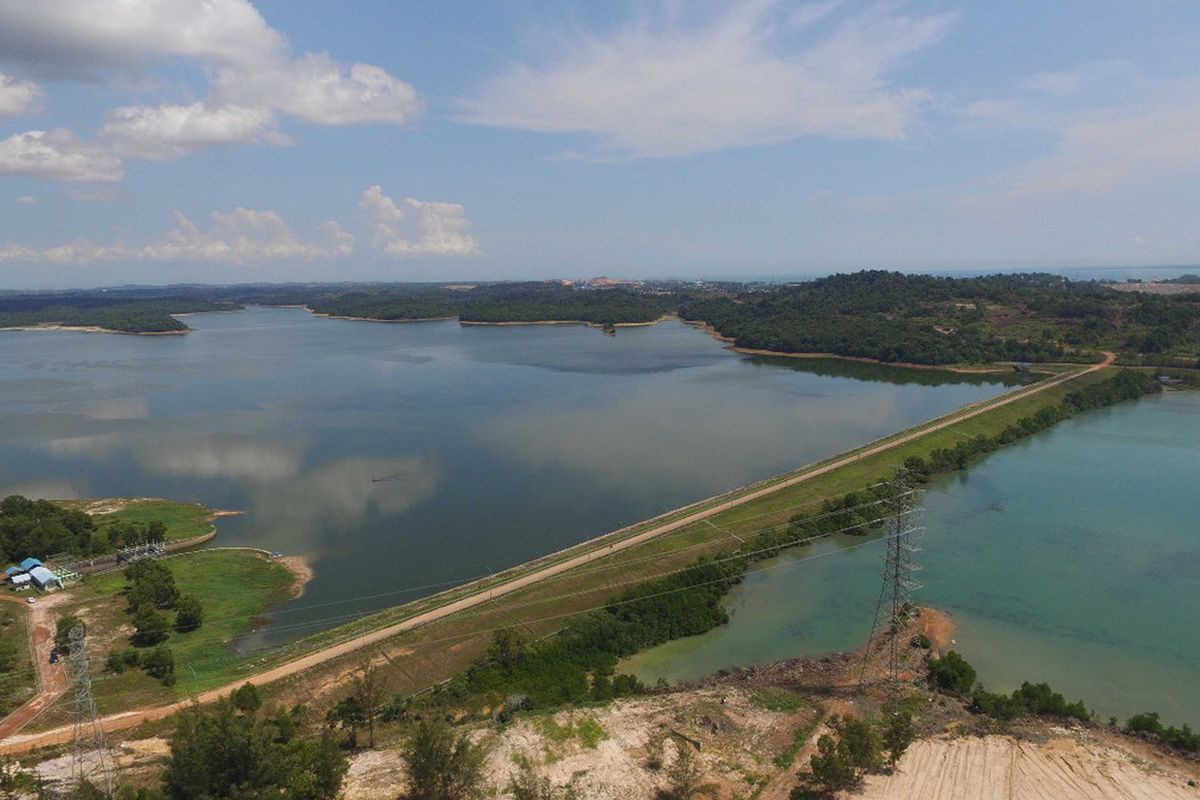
pixel 230 141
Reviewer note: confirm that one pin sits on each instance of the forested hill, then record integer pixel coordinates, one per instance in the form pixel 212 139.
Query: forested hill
pixel 881 315
pixel 915 318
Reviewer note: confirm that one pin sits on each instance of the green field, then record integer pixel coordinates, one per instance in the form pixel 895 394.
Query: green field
pixel 233 586
pixel 183 520
pixel 17 680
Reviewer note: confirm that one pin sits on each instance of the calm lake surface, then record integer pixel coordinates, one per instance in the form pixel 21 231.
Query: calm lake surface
pixel 404 458
pixel 1071 558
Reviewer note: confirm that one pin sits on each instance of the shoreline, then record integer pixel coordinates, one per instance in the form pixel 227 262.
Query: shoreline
pixel 302 574
pixel 55 326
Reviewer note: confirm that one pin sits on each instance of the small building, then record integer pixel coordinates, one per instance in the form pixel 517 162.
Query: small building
pixel 13 570
pixel 20 580
pixel 29 563
pixel 44 578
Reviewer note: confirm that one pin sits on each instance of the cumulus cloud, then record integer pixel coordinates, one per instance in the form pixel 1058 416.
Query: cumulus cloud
pixel 670 90
pixel 172 131
pixel 77 38
pixel 57 155
pixel 246 235
pixel 255 77
pixel 416 227
pixel 320 91
pixel 243 236
pixel 18 97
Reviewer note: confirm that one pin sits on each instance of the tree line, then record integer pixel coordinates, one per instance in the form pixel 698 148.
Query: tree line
pixel 40 528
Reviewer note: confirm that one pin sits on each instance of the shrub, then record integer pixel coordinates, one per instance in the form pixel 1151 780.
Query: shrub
pixel 952 674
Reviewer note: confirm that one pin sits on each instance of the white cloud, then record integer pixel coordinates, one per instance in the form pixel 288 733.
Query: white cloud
pixel 57 155
pixel 1096 149
pixel 671 90
pixel 416 227
pixel 79 37
pixel 27 200
pixel 319 90
pixel 172 131
pixel 243 236
pixel 255 76
pixel 18 97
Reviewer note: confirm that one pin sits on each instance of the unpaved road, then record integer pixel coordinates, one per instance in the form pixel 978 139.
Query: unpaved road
pixel 1002 768
pixel 52 678
pixel 17 744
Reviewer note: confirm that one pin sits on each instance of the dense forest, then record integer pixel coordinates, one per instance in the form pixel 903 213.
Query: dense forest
pixel 886 316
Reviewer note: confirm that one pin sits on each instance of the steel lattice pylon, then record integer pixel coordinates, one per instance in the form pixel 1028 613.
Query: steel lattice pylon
pixel 894 607
pixel 91 757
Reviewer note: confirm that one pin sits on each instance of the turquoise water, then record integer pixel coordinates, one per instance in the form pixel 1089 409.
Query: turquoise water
pixel 1072 557
pixel 401 459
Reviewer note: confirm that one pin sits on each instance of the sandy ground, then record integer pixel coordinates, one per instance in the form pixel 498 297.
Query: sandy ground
pixel 301 571
pixel 1004 768
pixel 737 742
pixel 54 326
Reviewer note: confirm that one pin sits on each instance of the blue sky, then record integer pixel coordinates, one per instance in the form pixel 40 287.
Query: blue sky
pixel 172 141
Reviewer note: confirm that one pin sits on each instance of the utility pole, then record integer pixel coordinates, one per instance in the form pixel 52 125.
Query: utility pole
pixel 894 607
pixel 91 757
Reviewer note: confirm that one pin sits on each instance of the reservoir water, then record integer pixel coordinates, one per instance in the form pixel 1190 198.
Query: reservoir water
pixel 403 458
pixel 1072 557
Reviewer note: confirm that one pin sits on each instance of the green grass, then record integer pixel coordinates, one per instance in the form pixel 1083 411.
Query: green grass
pixel 183 520
pixel 17 683
pixel 776 698
pixel 233 586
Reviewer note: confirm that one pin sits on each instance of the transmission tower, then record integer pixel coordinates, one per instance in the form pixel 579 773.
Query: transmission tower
pixel 91 757
pixel 894 607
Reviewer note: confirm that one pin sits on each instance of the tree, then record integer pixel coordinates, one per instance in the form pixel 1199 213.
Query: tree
pixel 442 765
pixel 151 583
pixel 507 647
pixel 246 698
pixel 840 762
pixel 348 714
pixel 160 663
pixel 156 531
pixel 897 733
pixel 227 753
pixel 62 630
pixel 368 690
pixel 149 627
pixel 952 673
pixel 188 614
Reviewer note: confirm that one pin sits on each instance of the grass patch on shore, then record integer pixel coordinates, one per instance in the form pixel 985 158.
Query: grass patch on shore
pixel 183 520
pixel 234 587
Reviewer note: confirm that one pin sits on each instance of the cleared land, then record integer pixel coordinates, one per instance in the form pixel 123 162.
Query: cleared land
pixel 233 586
pixel 1004 768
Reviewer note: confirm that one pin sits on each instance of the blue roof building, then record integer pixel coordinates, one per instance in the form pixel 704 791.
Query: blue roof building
pixel 29 563
pixel 44 578
pixel 13 570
